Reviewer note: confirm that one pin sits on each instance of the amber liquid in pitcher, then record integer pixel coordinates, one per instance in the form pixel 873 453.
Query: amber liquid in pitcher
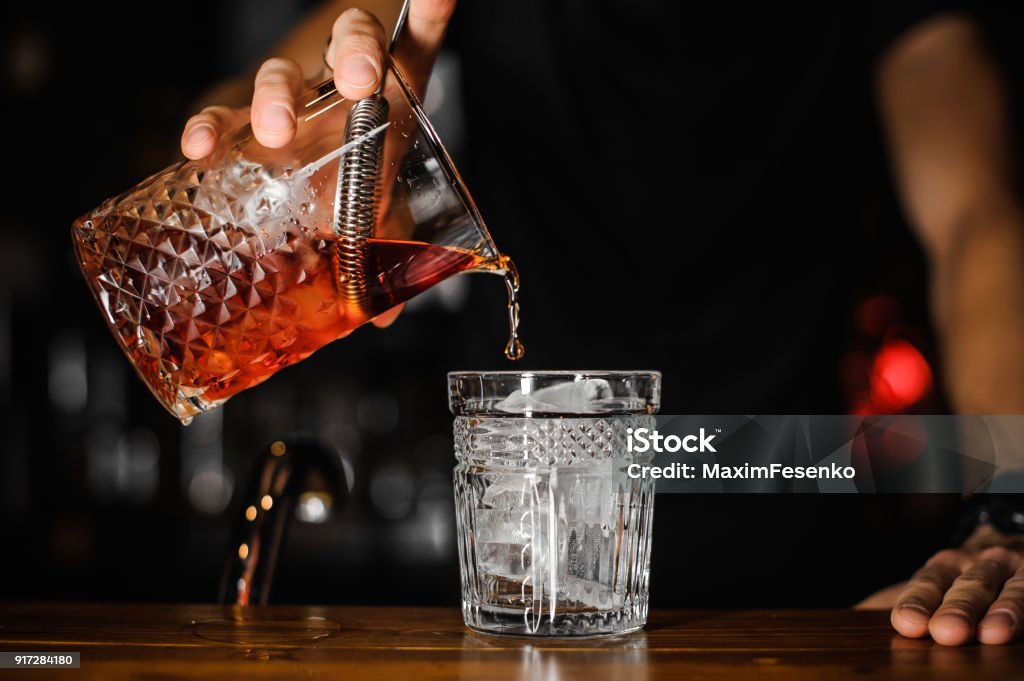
pixel 199 334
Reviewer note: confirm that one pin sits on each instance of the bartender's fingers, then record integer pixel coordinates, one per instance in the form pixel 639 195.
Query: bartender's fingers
pixel 970 596
pixel 1004 621
pixel 202 131
pixel 278 82
pixel 418 46
pixel 359 41
pixel 386 319
pixel 923 593
pixel 356 53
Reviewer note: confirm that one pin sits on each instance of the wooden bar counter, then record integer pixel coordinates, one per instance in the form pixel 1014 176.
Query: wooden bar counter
pixel 208 642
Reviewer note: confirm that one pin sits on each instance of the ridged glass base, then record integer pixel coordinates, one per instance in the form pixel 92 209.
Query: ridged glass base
pixel 516 622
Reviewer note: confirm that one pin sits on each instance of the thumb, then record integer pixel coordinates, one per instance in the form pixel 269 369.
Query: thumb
pixel 356 53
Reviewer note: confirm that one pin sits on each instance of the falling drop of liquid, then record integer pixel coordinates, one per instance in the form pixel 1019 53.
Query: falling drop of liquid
pixel 514 349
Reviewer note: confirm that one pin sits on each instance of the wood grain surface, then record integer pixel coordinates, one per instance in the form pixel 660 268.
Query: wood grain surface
pixel 210 642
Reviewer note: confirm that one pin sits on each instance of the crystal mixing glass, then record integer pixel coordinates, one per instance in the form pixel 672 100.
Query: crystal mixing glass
pixel 215 274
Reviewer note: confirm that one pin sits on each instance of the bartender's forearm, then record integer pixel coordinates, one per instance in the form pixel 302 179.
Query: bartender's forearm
pixel 978 308
pixel 944 109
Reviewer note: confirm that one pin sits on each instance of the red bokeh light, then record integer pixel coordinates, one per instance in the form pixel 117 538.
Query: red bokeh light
pixel 900 376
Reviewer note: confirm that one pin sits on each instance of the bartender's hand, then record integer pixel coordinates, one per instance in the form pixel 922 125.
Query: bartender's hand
pixel 356 56
pixel 972 593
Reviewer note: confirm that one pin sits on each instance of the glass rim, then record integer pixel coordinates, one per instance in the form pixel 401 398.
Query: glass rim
pixel 557 373
pixel 484 393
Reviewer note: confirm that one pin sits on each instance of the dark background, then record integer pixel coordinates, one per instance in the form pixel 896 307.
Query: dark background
pixel 103 496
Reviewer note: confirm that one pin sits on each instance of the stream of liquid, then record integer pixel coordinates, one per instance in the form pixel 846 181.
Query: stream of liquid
pixel 514 349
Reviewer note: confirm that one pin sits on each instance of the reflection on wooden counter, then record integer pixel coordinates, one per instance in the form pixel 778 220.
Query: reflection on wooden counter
pixel 212 642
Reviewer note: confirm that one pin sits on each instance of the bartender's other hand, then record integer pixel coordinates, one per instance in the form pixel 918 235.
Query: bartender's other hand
pixel 356 56
pixel 972 593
